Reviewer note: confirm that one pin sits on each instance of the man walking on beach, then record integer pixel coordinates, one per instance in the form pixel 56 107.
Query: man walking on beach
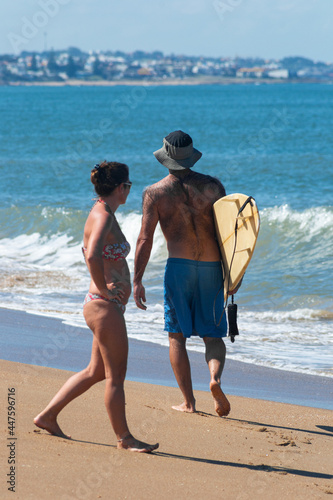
pixel 182 203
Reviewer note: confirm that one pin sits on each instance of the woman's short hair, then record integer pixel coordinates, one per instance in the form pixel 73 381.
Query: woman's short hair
pixel 107 176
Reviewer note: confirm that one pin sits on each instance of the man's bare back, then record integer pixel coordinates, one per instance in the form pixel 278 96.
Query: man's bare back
pixel 183 201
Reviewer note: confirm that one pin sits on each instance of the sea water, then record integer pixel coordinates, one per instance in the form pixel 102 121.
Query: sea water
pixel 273 142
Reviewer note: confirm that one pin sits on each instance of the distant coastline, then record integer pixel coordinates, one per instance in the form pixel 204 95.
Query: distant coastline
pixel 166 82
pixel 73 67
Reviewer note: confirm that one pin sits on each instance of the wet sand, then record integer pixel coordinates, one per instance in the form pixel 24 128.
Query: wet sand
pixel 44 341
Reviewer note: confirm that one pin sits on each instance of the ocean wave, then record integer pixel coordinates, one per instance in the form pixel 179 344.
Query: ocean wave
pixel 57 250
pixel 53 235
pixel 295 245
pixel 62 250
pixel 305 314
pixel 130 225
pixel 311 222
pixel 41 219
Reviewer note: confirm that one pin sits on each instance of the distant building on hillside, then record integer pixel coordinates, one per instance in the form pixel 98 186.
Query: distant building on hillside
pixel 59 65
pixel 255 72
pixel 278 73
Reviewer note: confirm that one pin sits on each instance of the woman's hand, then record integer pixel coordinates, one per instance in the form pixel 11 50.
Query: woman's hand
pixel 115 291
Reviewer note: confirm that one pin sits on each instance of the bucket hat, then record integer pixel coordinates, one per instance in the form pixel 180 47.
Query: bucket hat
pixel 177 152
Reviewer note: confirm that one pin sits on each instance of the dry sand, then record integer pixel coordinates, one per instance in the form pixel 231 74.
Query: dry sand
pixel 262 450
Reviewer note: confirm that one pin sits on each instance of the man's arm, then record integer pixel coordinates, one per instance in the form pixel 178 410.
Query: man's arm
pixel 144 245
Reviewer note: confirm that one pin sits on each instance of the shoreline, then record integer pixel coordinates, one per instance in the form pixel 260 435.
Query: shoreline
pixel 44 341
pixel 261 450
pixel 166 82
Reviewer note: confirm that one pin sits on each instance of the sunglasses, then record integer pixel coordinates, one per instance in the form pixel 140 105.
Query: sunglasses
pixel 129 183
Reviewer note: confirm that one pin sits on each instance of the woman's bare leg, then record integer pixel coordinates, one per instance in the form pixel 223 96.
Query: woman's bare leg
pixel 73 387
pixel 108 325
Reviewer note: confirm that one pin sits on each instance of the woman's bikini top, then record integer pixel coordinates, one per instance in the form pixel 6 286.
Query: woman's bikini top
pixel 113 251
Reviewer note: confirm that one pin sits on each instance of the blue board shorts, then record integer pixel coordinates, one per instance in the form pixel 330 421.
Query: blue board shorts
pixel 190 289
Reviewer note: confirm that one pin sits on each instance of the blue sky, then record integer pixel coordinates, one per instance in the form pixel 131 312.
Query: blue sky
pixel 265 28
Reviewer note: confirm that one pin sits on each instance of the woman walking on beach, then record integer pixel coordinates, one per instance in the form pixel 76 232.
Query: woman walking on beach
pixel 105 250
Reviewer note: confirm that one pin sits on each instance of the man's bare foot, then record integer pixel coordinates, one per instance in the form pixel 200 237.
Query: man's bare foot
pixel 50 424
pixel 130 443
pixel 222 405
pixel 188 408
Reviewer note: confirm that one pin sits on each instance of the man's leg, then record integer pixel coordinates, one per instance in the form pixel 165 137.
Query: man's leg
pixel 215 358
pixel 182 370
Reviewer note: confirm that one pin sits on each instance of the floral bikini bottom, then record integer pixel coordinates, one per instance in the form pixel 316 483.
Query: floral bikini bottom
pixel 96 296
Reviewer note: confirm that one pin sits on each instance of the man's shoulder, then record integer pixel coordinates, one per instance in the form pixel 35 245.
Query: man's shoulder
pixel 170 186
pixel 205 178
pixel 157 188
pixel 207 183
pixel 157 184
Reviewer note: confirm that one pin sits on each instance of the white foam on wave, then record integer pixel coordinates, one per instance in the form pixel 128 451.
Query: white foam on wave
pixel 311 222
pixel 58 250
pixel 283 345
pixel 62 251
pixel 130 225
pixel 305 314
pixel 295 243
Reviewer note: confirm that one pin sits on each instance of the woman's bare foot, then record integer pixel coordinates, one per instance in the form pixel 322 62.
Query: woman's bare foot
pixel 188 408
pixel 222 405
pixel 50 424
pixel 130 443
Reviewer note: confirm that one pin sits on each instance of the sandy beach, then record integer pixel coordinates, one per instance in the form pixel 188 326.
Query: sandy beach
pixel 263 449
